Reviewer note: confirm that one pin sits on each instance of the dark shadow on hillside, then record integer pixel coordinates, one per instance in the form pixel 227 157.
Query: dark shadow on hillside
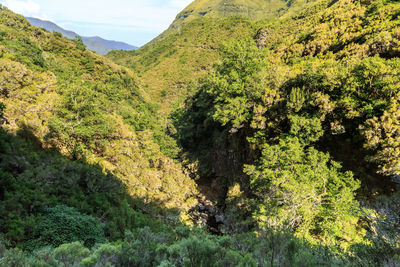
pixel 349 151
pixel 214 155
pixel 217 154
pixel 33 179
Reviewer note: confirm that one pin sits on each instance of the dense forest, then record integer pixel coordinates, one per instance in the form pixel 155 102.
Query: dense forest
pixel 269 137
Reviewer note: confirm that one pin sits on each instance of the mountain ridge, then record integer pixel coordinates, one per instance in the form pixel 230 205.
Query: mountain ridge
pixel 95 43
pixel 214 22
pixel 252 9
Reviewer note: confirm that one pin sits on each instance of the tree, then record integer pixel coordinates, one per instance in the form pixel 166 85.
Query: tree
pixel 237 86
pixel 301 187
pixel 382 135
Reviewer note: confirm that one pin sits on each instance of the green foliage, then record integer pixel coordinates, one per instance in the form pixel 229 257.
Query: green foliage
pixel 286 120
pixel 304 189
pixel 196 45
pixel 209 251
pixel 63 224
pixel 105 255
pixel 70 254
pixel 96 115
pixel 382 135
pixel 26 52
pixel 57 34
pixel 195 248
pixel 236 86
pixel 81 119
pixel 140 249
pixel 253 9
pixel 79 43
pixel 382 217
pixel 14 257
pixel 263 121
pixel 306 130
pixel 2 108
pixel 31 182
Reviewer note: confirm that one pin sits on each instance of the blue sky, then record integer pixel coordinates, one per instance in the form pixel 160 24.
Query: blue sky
pixel 132 21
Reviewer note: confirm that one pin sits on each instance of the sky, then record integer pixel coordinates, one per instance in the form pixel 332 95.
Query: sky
pixel 132 21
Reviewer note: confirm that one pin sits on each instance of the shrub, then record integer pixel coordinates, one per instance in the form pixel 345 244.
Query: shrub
pixel 62 224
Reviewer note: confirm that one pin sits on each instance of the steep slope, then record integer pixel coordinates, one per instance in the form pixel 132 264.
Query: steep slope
pixel 190 46
pixel 353 39
pixel 58 96
pixel 96 43
pixel 266 125
pixel 168 66
pixel 282 105
pixel 252 9
pixel 277 114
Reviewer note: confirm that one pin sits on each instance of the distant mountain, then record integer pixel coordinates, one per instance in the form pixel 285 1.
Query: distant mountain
pixel 96 43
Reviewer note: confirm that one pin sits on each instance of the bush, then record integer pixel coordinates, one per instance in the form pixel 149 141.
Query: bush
pixel 140 249
pixel 71 254
pixel 104 255
pixel 63 224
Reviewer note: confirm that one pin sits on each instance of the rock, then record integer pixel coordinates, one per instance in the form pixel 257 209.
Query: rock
pixel 219 218
pixel 212 210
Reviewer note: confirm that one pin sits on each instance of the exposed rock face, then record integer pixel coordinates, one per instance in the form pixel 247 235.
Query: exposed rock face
pixel 206 214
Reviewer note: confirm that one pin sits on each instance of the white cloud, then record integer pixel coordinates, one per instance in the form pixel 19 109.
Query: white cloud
pixel 26 8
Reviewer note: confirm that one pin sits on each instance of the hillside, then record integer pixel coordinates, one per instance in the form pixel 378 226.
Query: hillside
pixel 74 121
pixel 190 46
pixel 252 98
pixel 253 9
pixel 96 43
pixel 227 141
pixel 168 66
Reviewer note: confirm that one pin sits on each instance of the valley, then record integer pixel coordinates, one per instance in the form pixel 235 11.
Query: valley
pixel 249 133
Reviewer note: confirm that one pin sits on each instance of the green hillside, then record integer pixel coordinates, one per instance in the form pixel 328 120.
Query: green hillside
pixel 307 90
pixel 168 66
pixel 81 122
pixel 189 47
pixel 252 9
pixel 262 139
